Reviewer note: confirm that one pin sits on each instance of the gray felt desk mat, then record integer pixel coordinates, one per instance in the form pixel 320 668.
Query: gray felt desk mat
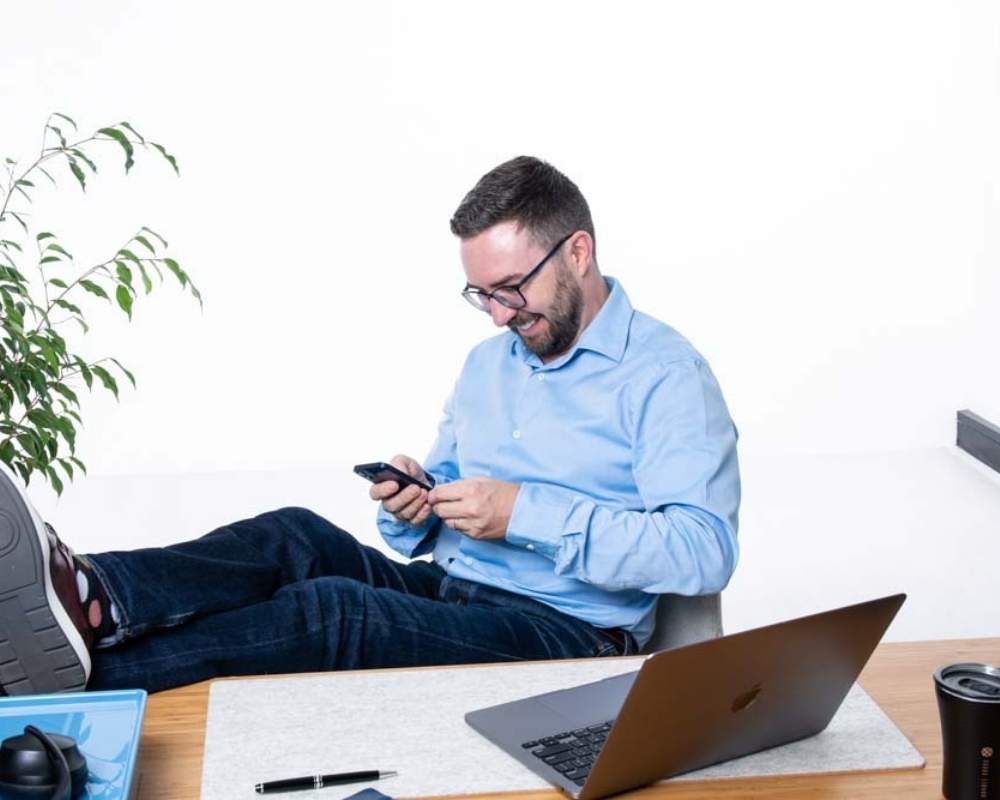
pixel 411 721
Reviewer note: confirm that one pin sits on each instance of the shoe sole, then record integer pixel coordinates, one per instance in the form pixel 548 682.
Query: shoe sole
pixel 41 650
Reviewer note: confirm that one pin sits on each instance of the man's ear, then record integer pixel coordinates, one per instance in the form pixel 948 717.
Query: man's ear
pixel 580 252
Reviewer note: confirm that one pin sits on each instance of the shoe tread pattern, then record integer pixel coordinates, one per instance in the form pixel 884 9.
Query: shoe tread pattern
pixel 35 655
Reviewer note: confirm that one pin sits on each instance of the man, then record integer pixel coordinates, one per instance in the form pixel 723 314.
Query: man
pixel 585 463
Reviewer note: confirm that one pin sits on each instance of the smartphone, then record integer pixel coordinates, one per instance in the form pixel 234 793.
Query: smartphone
pixel 379 471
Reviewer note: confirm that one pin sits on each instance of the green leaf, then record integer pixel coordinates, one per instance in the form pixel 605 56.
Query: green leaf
pixel 79 463
pixel 59 133
pixel 49 259
pixel 128 374
pixel 65 426
pixel 9 243
pixel 78 173
pixel 146 282
pixel 21 221
pixel 67 467
pixel 59 283
pixel 123 140
pixel 49 355
pixel 129 255
pixel 28 196
pixel 105 377
pixel 66 392
pixel 145 243
pixel 44 235
pixel 25 182
pixel 88 377
pixel 28 444
pixel 53 477
pixel 124 298
pixel 124 273
pixel 68 306
pixel 94 288
pixel 133 130
pixel 45 172
pixel 24 471
pixel 57 248
pixel 84 158
pixel 175 268
pixel 63 116
pixel 154 233
pixel 166 155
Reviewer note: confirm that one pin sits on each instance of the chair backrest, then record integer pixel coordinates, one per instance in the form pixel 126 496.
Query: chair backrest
pixel 682 620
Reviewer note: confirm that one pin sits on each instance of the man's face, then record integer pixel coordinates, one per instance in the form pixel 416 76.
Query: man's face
pixel 502 255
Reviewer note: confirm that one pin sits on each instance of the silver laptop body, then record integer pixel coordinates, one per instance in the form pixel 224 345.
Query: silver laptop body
pixel 697 705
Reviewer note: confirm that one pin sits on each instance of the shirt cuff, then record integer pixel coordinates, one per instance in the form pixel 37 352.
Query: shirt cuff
pixel 539 518
pixel 408 540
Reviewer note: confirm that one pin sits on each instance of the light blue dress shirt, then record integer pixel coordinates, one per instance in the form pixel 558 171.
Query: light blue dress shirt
pixel 625 455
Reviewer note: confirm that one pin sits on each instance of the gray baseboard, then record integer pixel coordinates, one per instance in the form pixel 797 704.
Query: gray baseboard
pixel 979 438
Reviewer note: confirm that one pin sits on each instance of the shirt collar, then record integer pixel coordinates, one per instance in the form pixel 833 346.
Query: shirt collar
pixel 606 334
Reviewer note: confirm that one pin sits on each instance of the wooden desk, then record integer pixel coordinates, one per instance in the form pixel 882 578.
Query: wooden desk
pixel 898 677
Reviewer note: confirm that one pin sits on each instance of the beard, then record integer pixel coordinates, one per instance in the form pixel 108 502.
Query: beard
pixel 563 317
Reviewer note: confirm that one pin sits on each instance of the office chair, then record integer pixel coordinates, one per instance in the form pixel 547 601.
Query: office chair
pixel 682 620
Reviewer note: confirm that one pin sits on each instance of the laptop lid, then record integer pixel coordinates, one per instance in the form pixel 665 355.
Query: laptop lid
pixel 708 702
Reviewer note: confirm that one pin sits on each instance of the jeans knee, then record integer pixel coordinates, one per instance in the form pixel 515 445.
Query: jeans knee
pixel 304 521
pixel 332 596
pixel 295 514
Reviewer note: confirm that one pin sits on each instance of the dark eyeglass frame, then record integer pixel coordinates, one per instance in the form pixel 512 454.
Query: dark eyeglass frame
pixel 480 298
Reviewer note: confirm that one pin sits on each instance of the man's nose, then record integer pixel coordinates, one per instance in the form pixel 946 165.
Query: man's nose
pixel 500 313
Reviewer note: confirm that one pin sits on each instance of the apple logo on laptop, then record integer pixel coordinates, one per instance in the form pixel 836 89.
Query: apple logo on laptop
pixel 747 699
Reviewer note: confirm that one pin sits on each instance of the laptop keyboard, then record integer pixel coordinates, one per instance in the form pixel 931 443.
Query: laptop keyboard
pixel 571 752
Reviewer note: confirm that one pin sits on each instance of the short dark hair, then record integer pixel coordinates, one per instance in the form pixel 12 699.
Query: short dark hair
pixel 530 191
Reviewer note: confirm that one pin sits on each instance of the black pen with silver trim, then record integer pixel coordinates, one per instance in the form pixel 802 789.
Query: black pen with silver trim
pixel 319 781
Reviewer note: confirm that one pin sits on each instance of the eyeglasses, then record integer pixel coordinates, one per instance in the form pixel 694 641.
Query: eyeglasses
pixel 509 296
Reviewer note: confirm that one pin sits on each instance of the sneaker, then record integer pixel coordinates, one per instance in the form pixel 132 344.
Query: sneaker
pixel 42 649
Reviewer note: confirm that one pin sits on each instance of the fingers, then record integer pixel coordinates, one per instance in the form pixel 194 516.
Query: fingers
pixel 422 515
pixel 451 509
pixel 409 465
pixel 382 490
pixel 394 502
pixel 409 505
pixel 409 511
pixel 448 491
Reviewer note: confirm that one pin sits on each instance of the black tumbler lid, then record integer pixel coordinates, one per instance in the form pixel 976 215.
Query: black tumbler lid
pixel 977 682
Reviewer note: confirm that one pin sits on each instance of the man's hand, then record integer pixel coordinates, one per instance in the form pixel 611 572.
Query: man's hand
pixel 410 505
pixel 480 508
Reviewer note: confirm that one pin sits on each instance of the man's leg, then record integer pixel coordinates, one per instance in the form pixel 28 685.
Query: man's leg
pixel 339 623
pixel 239 565
pixel 45 633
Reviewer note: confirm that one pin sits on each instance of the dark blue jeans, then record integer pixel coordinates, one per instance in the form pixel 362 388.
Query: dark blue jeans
pixel 290 592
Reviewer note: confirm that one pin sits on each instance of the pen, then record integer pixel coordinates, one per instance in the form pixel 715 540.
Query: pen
pixel 319 781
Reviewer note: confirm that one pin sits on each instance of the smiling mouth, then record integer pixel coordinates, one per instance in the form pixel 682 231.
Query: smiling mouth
pixel 524 327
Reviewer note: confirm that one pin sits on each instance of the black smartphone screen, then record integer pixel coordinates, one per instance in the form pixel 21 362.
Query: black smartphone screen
pixel 379 471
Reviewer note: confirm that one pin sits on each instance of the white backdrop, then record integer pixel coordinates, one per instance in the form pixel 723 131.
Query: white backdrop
pixel 808 191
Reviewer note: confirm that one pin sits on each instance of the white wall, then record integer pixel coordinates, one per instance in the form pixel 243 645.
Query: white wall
pixel 809 191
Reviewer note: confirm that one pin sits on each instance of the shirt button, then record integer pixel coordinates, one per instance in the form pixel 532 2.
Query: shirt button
pixel 530 547
pixel 516 434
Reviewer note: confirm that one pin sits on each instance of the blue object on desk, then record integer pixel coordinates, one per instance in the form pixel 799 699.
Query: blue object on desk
pixel 105 725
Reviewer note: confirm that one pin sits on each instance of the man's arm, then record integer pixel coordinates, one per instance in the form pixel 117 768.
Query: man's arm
pixel 442 466
pixel 685 468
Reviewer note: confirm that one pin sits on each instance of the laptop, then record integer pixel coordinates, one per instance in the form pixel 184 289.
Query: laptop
pixel 692 706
